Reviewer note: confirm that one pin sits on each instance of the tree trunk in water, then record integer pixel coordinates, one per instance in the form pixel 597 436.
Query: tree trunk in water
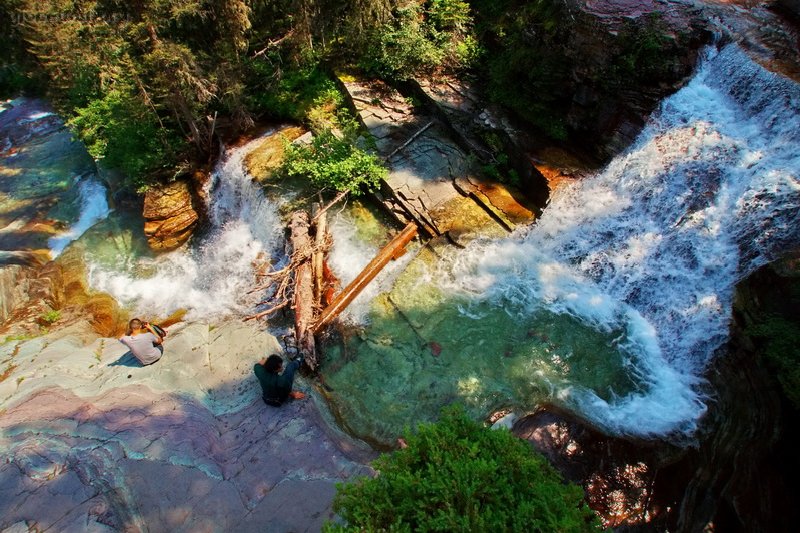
pixel 303 289
pixel 319 256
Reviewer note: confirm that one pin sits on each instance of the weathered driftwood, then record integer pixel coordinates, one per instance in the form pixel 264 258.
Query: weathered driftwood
pixel 393 250
pixel 339 197
pixel 304 301
pixel 307 282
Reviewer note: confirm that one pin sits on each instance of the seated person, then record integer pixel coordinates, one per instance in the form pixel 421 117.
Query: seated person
pixel 143 342
pixel 277 386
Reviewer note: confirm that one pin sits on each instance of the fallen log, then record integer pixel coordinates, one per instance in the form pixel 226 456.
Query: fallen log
pixel 393 250
pixel 303 302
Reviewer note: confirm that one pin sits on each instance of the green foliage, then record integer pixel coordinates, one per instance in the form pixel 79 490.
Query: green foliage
pixel 334 161
pixel 423 38
pixel 18 73
pixel 54 315
pixel 781 338
pixel 291 94
pixel 117 129
pixel 18 338
pixel 156 71
pixel 524 72
pixel 458 475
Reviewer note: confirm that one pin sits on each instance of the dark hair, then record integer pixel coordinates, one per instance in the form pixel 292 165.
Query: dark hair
pixel 132 323
pixel 273 364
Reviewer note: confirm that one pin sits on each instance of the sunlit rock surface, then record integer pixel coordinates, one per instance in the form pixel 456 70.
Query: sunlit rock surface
pixel 432 180
pixel 267 157
pixel 91 441
pixel 169 215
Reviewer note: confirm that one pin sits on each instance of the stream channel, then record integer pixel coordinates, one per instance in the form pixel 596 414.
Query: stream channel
pixel 611 305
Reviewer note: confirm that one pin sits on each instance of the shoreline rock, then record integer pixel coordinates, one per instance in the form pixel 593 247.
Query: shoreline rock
pixel 184 443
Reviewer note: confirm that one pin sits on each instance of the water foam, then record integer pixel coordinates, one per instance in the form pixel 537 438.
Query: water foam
pixel 211 277
pixel 93 208
pixel 655 243
pixel 348 257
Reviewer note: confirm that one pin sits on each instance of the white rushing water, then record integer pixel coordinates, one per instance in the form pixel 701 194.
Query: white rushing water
pixel 655 243
pixel 93 208
pixel 211 277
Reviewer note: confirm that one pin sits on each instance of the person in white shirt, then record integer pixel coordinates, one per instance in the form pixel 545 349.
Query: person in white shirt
pixel 143 342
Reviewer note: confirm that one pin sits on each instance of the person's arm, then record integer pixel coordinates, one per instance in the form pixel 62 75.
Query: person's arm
pixel 149 328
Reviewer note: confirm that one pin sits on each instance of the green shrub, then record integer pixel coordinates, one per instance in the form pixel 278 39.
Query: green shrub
pixel 334 161
pixel 128 137
pixel 289 93
pixel 524 70
pixel 50 317
pixel 458 475
pixel 423 37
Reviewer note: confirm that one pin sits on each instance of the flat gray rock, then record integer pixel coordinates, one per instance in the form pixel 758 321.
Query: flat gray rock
pixel 91 441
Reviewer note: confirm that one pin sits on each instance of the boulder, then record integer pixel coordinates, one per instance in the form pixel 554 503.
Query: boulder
pixel 268 156
pixel 170 217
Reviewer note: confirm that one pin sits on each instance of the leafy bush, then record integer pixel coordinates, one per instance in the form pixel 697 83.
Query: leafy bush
pixel 333 160
pixel 423 38
pixel 50 317
pixel 291 93
pixel 458 475
pixel 525 72
pixel 117 129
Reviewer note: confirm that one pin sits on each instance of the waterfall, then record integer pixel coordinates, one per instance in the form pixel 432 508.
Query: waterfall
pixel 212 275
pixel 654 244
pixel 93 208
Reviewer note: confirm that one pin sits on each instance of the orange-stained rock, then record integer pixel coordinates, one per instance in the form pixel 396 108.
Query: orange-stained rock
pixel 169 216
pixel 62 285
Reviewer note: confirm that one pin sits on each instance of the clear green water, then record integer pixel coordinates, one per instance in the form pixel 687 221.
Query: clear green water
pixel 387 375
pixel 45 167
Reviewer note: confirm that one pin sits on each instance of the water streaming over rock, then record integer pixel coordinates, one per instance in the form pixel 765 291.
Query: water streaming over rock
pixel 93 207
pixel 654 244
pixel 212 275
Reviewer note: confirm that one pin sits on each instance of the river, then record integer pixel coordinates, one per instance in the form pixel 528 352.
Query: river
pixel 611 305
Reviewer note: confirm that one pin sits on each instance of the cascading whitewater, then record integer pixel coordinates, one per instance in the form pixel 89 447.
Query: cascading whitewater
pixel 654 244
pixel 93 208
pixel 212 277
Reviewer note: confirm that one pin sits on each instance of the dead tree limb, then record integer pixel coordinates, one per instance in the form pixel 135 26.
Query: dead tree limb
pixel 319 256
pixel 333 202
pixel 409 141
pixel 393 250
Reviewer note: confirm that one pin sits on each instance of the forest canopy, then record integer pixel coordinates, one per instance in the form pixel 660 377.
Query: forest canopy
pixel 147 84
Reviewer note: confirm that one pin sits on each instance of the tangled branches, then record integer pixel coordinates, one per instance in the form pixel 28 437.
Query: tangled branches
pixel 284 280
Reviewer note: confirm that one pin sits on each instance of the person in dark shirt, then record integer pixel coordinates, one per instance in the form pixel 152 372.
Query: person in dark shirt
pixel 277 386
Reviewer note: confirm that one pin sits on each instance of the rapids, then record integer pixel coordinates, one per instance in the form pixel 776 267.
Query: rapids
pixel 213 275
pixel 611 305
pixel 654 244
